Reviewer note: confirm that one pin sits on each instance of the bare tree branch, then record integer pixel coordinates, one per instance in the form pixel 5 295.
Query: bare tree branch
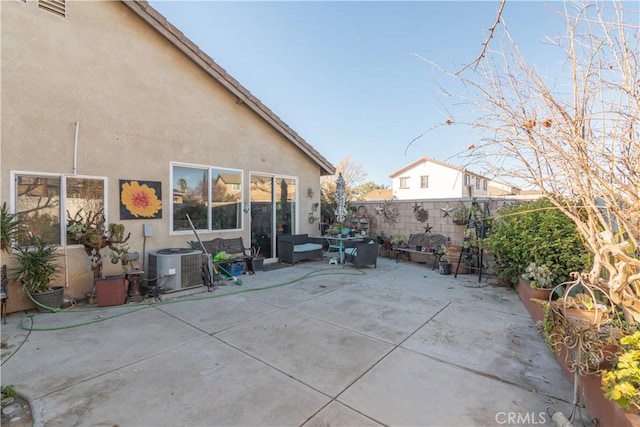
pixel 485 44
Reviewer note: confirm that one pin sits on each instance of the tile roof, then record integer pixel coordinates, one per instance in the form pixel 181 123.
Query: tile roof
pixel 432 160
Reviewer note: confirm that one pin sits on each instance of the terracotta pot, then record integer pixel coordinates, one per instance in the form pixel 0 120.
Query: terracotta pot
pixel 583 319
pixel 608 353
pixel 527 294
pixel 454 255
pixel 541 293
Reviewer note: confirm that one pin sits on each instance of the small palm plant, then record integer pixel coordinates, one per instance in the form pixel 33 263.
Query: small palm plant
pixel 9 228
pixel 36 266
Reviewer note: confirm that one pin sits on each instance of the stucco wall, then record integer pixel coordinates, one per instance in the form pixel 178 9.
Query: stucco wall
pixel 140 104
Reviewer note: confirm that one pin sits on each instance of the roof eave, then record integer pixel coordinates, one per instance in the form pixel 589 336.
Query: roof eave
pixel 191 50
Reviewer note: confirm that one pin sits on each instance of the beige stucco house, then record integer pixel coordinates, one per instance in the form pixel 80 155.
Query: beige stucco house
pixel 103 96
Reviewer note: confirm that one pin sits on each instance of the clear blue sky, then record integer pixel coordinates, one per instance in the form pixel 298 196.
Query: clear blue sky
pixel 347 76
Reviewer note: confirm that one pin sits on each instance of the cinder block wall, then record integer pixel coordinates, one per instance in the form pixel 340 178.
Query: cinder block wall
pixel 407 223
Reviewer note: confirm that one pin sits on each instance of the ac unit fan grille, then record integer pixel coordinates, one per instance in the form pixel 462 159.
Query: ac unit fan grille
pixel 175 270
pixel 191 270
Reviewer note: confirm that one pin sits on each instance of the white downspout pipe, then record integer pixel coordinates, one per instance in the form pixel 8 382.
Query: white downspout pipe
pixel 75 150
pixel 74 171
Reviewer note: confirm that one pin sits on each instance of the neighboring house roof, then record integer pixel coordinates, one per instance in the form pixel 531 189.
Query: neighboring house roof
pixel 179 40
pixel 230 178
pixel 432 160
pixel 379 194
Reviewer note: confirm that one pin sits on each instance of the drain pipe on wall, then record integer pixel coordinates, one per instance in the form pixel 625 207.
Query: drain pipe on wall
pixel 75 150
pixel 74 171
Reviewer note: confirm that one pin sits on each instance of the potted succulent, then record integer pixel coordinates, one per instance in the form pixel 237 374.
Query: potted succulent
pixel 36 267
pixel 540 279
pixel 89 229
pixel 582 310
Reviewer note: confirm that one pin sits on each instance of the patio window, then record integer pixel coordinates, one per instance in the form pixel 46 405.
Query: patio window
pixel 43 202
pixel 404 182
pixel 484 185
pixel 424 181
pixel 211 196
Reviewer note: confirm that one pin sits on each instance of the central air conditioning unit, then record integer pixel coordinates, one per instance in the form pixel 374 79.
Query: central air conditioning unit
pixel 175 268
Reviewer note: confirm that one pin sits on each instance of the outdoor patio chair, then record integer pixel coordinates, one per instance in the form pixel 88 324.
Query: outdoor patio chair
pixel 363 254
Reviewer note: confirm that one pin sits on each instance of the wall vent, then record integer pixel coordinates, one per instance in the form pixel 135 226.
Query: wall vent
pixel 54 6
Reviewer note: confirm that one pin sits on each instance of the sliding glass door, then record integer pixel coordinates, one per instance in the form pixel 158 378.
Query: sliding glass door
pixel 273 211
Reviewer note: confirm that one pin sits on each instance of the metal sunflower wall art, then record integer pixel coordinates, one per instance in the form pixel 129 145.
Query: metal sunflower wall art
pixel 389 212
pixel 140 199
pixel 422 215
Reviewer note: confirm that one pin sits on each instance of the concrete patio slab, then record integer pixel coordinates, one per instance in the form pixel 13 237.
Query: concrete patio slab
pixel 213 315
pixel 202 383
pixel 501 344
pixel 337 414
pixel 374 309
pixel 59 359
pixel 409 389
pixel 320 355
pixel 313 345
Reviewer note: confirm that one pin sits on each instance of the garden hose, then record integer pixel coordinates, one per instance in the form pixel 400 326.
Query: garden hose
pixel 143 306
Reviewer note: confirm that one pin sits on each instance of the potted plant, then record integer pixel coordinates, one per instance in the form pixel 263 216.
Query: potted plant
pixel 257 260
pixel 36 267
pixel 540 279
pixel 398 240
pixel 9 228
pixel 89 229
pixel 582 310
pixel 460 215
pixel 622 383
pixel 335 229
pixel 444 262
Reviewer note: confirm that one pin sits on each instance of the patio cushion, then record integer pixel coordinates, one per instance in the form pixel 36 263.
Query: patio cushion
pixel 306 247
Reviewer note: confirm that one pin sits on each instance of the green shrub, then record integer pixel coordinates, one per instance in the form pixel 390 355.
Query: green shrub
pixel 622 383
pixel 536 232
pixel 8 391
